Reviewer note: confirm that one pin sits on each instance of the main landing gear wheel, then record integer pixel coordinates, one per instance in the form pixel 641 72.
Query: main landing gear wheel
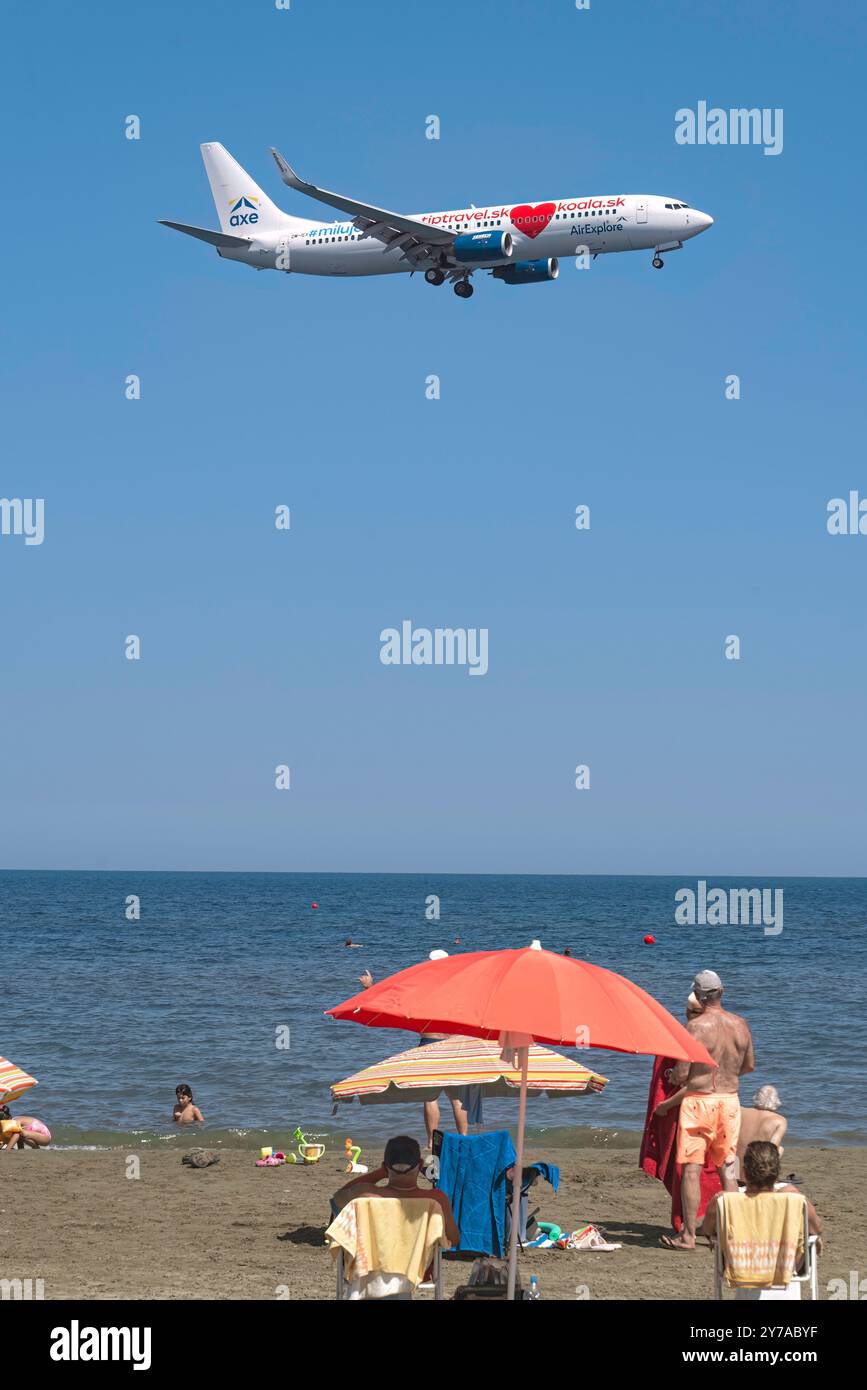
pixel 434 277
pixel 658 263
pixel 463 289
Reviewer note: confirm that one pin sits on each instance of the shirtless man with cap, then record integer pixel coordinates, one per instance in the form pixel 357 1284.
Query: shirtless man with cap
pixel 710 1112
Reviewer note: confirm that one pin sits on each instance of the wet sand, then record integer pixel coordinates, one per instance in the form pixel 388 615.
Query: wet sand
pixel 76 1220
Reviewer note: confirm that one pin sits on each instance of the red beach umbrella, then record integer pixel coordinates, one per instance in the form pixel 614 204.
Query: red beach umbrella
pixel 520 997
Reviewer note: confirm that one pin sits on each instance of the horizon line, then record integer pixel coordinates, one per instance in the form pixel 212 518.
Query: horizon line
pixel 441 873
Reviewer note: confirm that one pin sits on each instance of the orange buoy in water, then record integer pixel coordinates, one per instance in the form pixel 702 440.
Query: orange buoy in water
pixel 650 940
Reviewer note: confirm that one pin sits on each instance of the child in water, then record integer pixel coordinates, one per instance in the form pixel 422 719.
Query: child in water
pixel 185 1112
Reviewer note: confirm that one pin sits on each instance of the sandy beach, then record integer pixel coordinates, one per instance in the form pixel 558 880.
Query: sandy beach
pixel 233 1231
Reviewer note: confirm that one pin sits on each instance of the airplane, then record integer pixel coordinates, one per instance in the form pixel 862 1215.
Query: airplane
pixel 518 243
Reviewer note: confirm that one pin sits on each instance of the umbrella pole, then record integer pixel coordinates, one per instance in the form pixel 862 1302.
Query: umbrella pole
pixel 518 1177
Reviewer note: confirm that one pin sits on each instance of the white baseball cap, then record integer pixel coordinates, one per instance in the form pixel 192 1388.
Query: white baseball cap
pixel 706 981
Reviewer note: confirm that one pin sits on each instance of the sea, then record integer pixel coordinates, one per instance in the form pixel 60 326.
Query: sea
pixel 120 985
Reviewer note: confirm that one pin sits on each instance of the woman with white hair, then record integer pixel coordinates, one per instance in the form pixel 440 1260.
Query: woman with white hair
pixel 762 1121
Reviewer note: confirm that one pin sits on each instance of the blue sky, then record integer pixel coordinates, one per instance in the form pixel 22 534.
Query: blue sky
pixel 605 388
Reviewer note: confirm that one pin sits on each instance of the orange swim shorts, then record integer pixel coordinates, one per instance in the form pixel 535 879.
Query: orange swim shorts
pixel 709 1124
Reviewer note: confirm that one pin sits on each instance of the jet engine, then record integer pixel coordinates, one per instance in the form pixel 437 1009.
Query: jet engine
pixel 529 272
pixel 484 247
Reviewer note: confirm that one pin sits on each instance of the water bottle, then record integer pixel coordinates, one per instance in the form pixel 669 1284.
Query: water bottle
pixel 534 1286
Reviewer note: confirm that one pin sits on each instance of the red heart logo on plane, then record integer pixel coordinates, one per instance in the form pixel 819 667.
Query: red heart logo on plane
pixel 532 221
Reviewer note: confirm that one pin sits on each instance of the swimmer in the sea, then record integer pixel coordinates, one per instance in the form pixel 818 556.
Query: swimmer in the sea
pixel 185 1112
pixel 356 945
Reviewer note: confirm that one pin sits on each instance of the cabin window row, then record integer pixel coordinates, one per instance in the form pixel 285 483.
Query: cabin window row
pixel 318 240
pixel 566 216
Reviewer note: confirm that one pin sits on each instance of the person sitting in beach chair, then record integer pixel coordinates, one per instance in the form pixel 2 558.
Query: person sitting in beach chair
pixel 768 1237
pixel 387 1230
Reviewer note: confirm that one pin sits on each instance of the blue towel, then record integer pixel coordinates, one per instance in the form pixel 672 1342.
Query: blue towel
pixel 549 1171
pixel 473 1177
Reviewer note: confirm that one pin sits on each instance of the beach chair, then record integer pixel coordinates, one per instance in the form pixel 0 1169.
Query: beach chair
pixel 472 1174
pixel 369 1226
pixel 532 1173
pixel 768 1229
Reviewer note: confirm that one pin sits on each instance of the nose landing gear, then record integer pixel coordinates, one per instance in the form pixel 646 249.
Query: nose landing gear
pixel 664 249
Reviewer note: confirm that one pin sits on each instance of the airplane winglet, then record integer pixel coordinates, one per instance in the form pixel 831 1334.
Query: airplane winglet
pixel 372 220
pixel 287 173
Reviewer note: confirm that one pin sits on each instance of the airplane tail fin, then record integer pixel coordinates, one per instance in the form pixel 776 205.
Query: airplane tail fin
pixel 242 207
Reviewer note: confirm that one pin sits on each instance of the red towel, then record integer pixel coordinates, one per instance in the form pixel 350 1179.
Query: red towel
pixel 659 1145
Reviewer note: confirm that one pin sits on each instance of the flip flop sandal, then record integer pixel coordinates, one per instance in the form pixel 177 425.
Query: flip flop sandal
pixel 591 1238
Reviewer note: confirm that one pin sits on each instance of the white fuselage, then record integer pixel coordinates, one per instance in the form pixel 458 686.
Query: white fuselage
pixel 548 228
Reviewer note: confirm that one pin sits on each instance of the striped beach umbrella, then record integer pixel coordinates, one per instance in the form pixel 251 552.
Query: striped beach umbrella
pixel 13 1082
pixel 422 1073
